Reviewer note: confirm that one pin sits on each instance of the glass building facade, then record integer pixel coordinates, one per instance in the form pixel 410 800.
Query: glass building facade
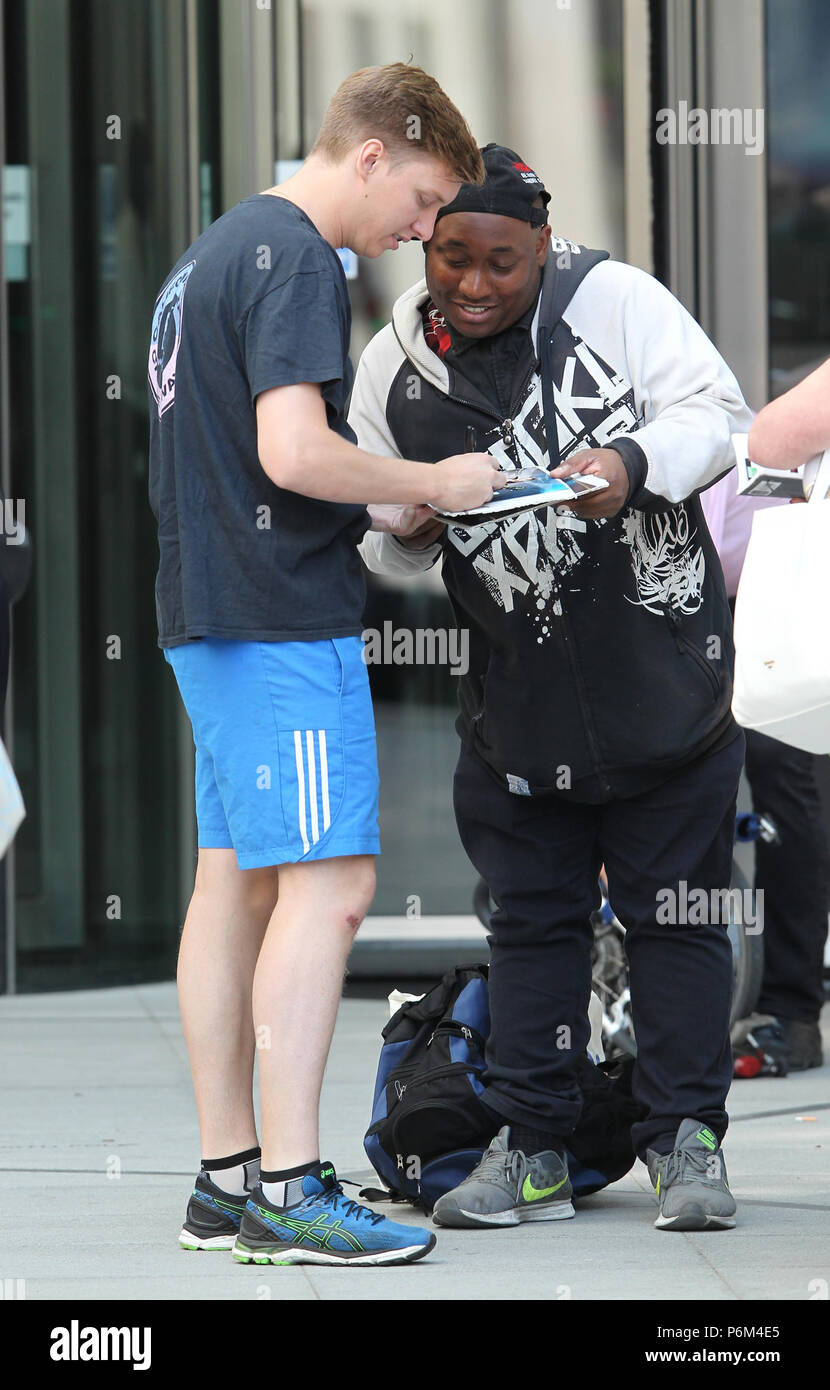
pixel 127 126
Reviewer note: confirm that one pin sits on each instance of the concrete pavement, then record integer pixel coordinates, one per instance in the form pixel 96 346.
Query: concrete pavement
pixel 99 1147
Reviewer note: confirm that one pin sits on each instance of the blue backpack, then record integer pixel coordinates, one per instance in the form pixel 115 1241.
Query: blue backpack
pixel 429 1127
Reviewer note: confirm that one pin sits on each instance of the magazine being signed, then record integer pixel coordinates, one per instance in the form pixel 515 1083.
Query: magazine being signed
pixel 526 488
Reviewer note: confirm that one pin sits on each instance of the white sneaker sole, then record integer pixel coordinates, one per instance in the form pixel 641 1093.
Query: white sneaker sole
pixel 188 1241
pixel 695 1221
pixel 514 1217
pixel 406 1255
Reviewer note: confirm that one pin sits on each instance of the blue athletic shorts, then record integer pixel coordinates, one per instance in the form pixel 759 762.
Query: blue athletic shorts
pixel 286 761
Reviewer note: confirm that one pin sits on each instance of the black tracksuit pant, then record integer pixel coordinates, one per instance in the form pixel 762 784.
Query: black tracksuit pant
pixel 794 877
pixel 540 857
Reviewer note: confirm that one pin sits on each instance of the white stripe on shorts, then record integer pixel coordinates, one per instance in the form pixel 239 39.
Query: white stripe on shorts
pixel 298 754
pixel 312 785
pixel 324 779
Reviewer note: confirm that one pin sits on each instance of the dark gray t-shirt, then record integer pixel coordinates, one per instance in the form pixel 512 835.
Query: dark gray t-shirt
pixel 258 300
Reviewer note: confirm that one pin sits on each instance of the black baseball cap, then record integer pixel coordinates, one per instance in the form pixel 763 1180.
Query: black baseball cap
pixel 510 188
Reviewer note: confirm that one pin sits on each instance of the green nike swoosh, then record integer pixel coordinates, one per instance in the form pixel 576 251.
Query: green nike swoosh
pixel 534 1194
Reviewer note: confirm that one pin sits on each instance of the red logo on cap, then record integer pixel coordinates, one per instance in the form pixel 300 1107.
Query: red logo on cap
pixel 524 168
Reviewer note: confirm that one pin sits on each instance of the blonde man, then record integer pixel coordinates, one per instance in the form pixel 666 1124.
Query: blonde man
pixel 260 496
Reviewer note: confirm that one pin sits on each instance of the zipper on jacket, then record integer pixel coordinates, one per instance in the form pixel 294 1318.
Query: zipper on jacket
pixel 508 425
pixel 535 369
pixel 475 405
pixel 587 717
pixel 687 648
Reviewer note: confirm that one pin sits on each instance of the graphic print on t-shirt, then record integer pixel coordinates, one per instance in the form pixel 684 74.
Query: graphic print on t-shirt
pixel 521 559
pixel 165 337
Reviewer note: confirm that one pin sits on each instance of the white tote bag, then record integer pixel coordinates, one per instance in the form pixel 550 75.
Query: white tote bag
pixel 782 622
pixel 12 810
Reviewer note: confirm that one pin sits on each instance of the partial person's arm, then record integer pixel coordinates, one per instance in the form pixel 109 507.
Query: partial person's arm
pixel 383 553
pixel 299 452
pixel 796 426
pixel 408 543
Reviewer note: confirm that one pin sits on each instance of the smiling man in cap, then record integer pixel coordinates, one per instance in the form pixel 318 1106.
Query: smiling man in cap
pixel 595 716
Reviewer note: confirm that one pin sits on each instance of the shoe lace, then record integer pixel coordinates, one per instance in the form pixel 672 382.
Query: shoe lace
pixel 496 1166
pixel 336 1198
pixel 683 1159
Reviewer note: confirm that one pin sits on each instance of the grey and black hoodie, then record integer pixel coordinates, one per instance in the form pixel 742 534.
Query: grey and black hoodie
pixel 600 651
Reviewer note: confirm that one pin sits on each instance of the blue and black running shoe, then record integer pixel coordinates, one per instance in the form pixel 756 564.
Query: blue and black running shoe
pixel 325 1228
pixel 213 1217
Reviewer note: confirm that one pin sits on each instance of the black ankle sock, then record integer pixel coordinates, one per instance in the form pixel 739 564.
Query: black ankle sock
pixel 286 1174
pixel 217 1164
pixel 534 1141
pixel 524 1137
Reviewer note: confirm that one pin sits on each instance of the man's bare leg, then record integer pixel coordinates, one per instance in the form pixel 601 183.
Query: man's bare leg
pixel 222 936
pixel 297 986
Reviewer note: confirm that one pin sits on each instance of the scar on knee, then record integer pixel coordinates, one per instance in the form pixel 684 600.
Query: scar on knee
pixel 353 921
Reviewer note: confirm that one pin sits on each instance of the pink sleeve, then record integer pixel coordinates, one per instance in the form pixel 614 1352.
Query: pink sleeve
pixel 729 518
pixel 714 501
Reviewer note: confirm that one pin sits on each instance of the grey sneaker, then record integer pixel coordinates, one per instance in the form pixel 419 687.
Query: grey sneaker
pixel 690 1183
pixel 506 1187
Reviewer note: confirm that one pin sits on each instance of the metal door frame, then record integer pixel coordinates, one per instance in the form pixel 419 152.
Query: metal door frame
pixel 8 958
pixel 711 208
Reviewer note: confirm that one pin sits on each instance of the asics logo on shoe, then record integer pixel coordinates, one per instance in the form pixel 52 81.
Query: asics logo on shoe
pixel 707 1137
pixel 534 1194
pixel 318 1232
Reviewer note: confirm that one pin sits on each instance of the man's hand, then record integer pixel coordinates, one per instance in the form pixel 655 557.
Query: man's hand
pixel 602 463
pixel 414 526
pixel 463 481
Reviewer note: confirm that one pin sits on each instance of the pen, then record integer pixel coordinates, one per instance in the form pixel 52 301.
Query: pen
pixel 470 440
